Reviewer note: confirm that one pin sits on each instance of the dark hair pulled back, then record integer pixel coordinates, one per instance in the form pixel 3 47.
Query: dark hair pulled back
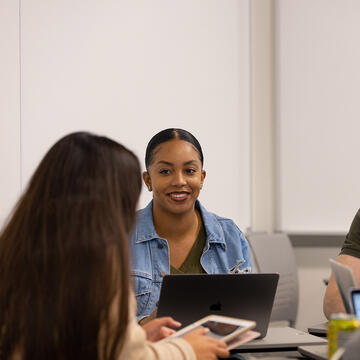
pixel 167 135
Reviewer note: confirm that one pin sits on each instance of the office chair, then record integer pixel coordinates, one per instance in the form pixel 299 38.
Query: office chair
pixel 274 253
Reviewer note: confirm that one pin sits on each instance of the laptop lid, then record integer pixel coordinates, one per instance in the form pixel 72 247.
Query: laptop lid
pixel 316 352
pixel 345 281
pixel 319 329
pixel 188 298
pixel 350 295
pixel 278 338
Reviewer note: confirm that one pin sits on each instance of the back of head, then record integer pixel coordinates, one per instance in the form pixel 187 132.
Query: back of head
pixel 63 253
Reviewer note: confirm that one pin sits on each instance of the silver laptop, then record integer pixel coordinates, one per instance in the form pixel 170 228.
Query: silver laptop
pixel 345 281
pixel 282 338
pixel 316 352
pixel 188 298
pixel 319 329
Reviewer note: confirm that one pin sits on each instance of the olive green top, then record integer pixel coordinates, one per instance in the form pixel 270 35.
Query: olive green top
pixel 351 244
pixel 191 264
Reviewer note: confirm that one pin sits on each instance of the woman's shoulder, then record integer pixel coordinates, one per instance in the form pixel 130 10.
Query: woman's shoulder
pixel 145 212
pixel 354 231
pixel 213 216
pixel 213 221
pixel 357 216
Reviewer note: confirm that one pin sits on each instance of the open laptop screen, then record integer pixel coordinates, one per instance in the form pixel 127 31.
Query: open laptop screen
pixel 355 299
pixel 187 298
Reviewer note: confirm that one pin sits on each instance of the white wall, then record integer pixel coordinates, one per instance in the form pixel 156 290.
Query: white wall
pixel 9 106
pixel 317 79
pixel 139 68
pixel 268 18
pixel 130 68
pixel 263 156
pixel 313 268
pixel 318 82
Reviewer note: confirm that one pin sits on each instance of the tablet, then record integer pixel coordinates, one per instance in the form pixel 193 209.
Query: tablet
pixel 221 327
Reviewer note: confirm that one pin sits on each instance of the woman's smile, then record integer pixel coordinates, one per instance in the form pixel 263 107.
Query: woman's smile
pixel 179 196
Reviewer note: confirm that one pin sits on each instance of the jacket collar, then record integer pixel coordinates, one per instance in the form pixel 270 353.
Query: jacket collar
pixel 145 229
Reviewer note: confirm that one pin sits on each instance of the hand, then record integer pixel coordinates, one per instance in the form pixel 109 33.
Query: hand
pixel 158 329
pixel 206 348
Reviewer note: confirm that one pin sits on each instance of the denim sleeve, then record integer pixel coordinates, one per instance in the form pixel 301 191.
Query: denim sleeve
pixel 237 245
pixel 246 251
pixel 140 317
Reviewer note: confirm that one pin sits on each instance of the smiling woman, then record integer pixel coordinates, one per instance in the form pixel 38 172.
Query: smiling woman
pixel 175 234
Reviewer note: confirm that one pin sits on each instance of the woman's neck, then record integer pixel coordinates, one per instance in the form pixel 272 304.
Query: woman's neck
pixel 168 225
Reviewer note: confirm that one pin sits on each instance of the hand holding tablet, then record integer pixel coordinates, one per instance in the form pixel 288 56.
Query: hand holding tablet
pixel 232 331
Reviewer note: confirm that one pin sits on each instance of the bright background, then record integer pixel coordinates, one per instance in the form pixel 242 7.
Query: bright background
pixel 269 87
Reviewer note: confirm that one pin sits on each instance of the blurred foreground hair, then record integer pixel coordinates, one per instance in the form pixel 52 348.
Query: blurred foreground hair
pixel 64 253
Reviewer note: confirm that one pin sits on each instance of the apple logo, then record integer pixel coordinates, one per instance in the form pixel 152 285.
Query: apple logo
pixel 216 306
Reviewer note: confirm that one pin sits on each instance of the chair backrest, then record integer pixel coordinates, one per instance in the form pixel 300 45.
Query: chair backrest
pixel 274 253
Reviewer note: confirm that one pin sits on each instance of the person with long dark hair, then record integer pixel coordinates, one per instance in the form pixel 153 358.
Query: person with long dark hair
pixel 65 282
pixel 175 234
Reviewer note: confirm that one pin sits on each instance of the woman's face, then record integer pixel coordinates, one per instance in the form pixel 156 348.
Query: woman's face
pixel 175 176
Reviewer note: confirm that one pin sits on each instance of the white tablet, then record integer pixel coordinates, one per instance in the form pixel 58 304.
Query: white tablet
pixel 221 327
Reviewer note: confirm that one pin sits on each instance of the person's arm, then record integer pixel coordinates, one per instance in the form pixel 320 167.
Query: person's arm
pixel 193 346
pixel 332 300
pixel 137 347
pixel 160 328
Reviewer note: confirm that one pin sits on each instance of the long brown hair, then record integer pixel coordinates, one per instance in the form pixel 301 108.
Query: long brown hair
pixel 58 251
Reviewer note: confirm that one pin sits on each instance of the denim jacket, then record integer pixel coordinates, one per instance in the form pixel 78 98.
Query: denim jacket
pixel 226 251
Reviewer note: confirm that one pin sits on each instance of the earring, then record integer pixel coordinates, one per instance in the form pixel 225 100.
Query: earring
pixel 149 188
